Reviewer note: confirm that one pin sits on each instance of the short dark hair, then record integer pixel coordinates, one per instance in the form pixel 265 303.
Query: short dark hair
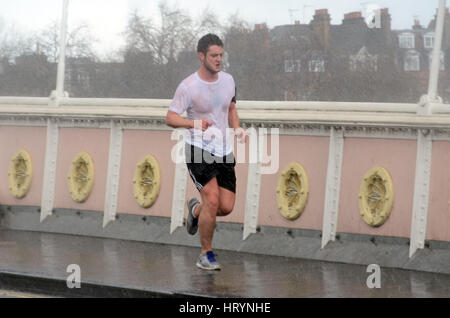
pixel 206 41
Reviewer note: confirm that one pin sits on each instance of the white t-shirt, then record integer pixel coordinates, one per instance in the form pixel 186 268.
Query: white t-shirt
pixel 210 101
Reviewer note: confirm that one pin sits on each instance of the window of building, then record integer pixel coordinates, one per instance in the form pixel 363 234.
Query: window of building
pixel 291 66
pixel 317 66
pixel 412 61
pixel 429 41
pixel 406 41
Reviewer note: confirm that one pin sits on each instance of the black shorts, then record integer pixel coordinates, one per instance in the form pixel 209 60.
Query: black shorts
pixel 203 167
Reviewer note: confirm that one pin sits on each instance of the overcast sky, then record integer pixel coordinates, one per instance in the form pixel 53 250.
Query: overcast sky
pixel 107 18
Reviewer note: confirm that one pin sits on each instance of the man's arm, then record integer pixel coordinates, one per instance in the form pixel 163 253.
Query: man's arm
pixel 176 121
pixel 233 117
pixel 233 122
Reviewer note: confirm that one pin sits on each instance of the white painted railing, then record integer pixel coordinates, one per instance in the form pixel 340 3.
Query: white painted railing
pixel 270 112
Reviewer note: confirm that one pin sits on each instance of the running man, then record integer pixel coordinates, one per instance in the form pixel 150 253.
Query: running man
pixel 209 97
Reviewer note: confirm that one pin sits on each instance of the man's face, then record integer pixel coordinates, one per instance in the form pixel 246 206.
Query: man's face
pixel 213 59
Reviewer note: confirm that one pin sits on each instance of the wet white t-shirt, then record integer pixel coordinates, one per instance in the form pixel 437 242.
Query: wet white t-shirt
pixel 210 101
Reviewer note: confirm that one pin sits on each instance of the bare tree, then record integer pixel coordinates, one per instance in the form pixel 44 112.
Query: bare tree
pixel 12 42
pixel 176 32
pixel 79 42
pixel 139 34
pixel 157 53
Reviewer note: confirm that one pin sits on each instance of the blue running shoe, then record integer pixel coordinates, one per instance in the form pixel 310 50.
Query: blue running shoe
pixel 192 221
pixel 207 261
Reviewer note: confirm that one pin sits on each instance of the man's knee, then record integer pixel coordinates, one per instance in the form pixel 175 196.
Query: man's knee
pixel 224 211
pixel 226 208
pixel 211 200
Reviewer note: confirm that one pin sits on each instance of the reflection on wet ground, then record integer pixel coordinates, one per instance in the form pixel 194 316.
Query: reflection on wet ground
pixel 157 267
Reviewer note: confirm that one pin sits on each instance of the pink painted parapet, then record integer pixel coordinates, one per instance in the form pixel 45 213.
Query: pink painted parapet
pixel 136 145
pixel 72 141
pixel 398 156
pixel 438 224
pixel 312 154
pixel 12 140
pixel 360 155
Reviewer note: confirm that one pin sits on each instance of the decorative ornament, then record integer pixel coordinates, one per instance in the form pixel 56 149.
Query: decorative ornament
pixel 81 177
pixel 292 191
pixel 20 173
pixel 147 181
pixel 376 196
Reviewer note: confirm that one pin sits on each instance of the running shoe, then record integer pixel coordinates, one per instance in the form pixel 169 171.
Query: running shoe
pixel 207 261
pixel 192 221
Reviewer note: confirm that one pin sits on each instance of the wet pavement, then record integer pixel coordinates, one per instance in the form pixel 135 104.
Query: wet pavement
pixel 167 271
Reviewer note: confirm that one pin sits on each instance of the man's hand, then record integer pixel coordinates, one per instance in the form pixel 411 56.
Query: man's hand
pixel 202 124
pixel 241 135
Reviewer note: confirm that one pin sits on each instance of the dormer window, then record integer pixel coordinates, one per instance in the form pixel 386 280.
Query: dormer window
pixel 406 40
pixel 317 65
pixel 428 41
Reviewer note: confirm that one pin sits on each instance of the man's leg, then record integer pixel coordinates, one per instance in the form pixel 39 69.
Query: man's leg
pixel 226 201
pixel 226 205
pixel 207 212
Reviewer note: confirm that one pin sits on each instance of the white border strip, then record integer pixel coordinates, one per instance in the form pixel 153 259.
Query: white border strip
pixel 51 154
pixel 331 209
pixel 252 199
pixel 179 188
pixel 253 183
pixel 421 192
pixel 113 175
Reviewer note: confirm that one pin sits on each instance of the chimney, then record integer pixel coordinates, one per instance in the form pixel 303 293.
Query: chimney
pixel 261 26
pixel 385 18
pixel 446 11
pixel 321 26
pixel 352 16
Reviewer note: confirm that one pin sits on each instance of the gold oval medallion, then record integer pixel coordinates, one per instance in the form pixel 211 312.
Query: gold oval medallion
pixel 80 178
pixel 147 181
pixel 19 174
pixel 376 196
pixel 292 191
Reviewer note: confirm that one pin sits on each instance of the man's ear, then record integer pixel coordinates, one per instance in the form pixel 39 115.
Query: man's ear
pixel 201 56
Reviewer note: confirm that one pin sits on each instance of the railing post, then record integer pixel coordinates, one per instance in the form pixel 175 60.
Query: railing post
pixel 51 153
pixel 421 191
pixel 113 175
pixel 256 144
pixel 59 92
pixel 432 96
pixel 49 182
pixel 180 180
pixel 331 210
